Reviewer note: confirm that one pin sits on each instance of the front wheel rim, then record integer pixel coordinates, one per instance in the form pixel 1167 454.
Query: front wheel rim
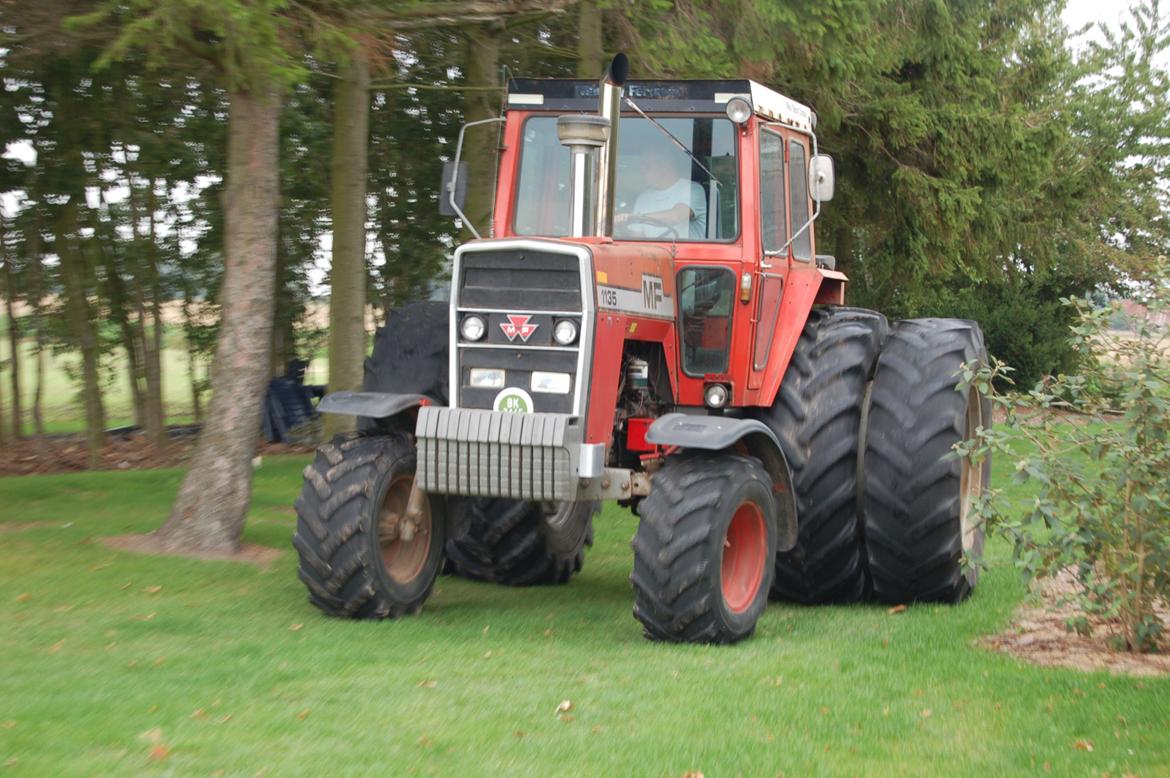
pixel 745 555
pixel 403 560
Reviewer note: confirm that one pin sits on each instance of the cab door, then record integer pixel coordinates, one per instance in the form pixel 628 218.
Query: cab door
pixel 774 235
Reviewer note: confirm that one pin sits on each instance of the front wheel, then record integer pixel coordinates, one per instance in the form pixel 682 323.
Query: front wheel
pixel 360 556
pixel 704 549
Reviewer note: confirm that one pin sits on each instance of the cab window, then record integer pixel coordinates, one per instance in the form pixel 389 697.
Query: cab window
pixel 706 297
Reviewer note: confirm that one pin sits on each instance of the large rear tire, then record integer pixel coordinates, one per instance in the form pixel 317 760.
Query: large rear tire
pixel 704 549
pixel 356 558
pixel 920 531
pixel 817 416
pixel 519 543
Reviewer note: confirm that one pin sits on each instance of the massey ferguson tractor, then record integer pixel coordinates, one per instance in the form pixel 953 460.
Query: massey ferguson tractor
pixel 649 322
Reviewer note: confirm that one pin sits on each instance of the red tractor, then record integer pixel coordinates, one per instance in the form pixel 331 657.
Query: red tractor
pixel 650 323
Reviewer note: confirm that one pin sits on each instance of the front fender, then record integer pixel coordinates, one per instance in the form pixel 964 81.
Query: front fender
pixel 715 433
pixel 372 405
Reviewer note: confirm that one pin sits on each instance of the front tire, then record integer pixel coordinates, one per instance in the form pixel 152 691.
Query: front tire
pixel 356 556
pixel 704 548
pixel 920 531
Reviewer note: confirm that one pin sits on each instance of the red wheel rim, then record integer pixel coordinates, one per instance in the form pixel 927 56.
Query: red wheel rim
pixel 403 559
pixel 745 552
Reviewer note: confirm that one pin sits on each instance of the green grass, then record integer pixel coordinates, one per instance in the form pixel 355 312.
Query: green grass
pixel 233 671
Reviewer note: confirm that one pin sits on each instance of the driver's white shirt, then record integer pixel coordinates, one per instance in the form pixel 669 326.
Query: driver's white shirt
pixel 681 191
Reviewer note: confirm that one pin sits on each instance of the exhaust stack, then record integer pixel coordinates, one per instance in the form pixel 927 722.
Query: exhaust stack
pixel 610 108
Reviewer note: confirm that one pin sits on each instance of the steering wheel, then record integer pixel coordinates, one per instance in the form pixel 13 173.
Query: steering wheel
pixel 637 218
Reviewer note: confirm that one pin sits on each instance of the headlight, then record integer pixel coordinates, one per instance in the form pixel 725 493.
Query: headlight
pixel 472 327
pixel 551 383
pixel 565 332
pixel 715 395
pixel 739 110
pixel 485 378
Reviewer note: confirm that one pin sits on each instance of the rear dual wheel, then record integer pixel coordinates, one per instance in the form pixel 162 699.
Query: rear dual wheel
pixel 921 536
pixel 519 542
pixel 704 549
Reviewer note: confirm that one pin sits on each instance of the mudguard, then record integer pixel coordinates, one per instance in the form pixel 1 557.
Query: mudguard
pixel 372 405
pixel 715 433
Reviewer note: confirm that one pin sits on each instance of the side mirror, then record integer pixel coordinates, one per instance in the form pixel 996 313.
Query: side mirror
pixel 454 179
pixel 822 178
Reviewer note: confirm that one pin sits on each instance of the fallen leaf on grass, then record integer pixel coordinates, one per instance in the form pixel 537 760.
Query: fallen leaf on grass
pixel 692 774
pixel 425 741
pixel 159 753
pixel 152 589
pixel 926 713
pixel 427 683
pixel 57 646
pixel 519 733
pixel 896 609
pixel 152 735
pixel 303 714
pixel 1084 745
pixel 199 713
pixel 487 655
pixel 13 762
pixel 23 597
pixel 564 707
pixel 147 617
pixel 295 627
pixel 9 724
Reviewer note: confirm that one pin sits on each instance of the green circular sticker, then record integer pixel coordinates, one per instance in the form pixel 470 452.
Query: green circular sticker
pixel 513 400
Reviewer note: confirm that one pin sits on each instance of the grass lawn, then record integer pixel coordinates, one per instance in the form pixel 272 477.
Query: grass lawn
pixel 128 665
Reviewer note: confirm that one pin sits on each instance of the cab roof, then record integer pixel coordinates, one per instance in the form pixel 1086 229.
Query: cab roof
pixel 697 96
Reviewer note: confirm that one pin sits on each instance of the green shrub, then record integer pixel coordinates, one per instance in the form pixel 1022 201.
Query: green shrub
pixel 1101 468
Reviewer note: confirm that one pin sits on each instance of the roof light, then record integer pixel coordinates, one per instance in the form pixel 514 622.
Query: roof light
pixel 739 109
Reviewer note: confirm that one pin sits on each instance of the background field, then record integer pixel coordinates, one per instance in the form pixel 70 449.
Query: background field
pixel 211 667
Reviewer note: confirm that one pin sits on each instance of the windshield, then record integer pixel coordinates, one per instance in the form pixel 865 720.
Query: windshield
pixel 661 193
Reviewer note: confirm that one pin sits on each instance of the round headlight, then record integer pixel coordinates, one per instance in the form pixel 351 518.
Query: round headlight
pixel 565 332
pixel 715 395
pixel 739 110
pixel 472 327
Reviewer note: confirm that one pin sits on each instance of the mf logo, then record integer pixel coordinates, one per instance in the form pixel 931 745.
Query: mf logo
pixel 517 324
pixel 651 292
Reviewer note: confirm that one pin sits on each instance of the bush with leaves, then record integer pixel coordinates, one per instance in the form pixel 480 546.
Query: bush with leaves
pixel 1097 449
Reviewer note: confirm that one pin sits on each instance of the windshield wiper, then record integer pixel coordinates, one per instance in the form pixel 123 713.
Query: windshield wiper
pixel 677 142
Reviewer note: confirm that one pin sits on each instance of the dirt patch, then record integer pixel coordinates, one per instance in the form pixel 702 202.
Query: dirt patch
pixel 248 553
pixel 1038 635
pixel 21 526
pixel 121 452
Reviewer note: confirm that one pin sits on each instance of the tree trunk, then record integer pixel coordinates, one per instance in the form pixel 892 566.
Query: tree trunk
pixel 192 362
pixel 35 297
pixel 347 297
pixel 589 47
pixel 81 323
pixel 119 312
pixel 156 423
pixel 14 347
pixel 482 143
pixel 208 515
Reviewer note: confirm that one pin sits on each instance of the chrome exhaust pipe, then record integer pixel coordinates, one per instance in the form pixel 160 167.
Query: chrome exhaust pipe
pixel 605 171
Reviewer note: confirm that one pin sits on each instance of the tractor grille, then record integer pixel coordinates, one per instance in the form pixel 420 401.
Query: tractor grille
pixel 528 282
pixel 517 279
pixel 530 456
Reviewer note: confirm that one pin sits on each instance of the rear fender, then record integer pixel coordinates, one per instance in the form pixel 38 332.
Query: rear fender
pixel 717 433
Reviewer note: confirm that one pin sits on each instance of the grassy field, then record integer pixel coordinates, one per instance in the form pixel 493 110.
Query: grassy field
pixel 116 664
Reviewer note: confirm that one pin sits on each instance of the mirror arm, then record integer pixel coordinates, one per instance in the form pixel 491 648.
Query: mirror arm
pixel 452 185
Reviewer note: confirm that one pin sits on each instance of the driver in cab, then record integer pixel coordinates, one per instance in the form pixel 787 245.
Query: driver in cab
pixel 671 206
